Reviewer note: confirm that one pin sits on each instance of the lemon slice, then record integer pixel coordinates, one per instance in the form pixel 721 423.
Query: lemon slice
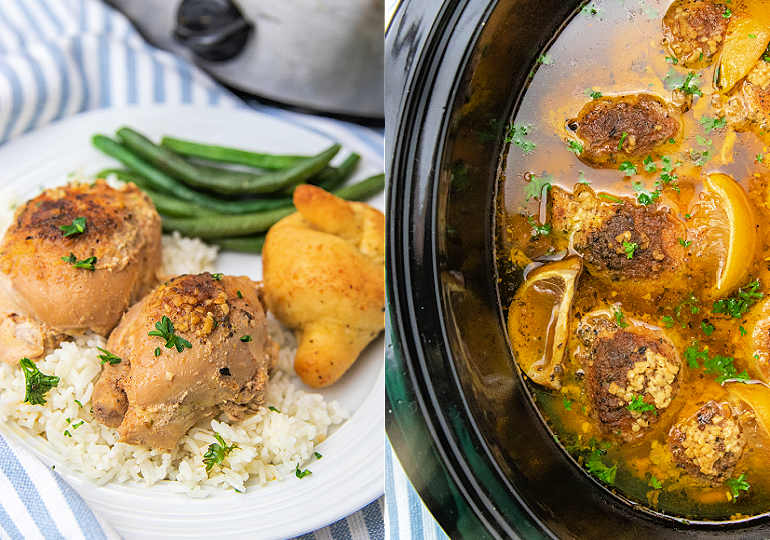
pixel 539 317
pixel 732 225
pixel 746 39
pixel 756 397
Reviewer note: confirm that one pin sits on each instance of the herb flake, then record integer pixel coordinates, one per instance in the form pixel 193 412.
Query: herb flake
pixel 78 226
pixel 37 383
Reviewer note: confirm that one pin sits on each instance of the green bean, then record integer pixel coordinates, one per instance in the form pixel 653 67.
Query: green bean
pixel 163 183
pixel 235 156
pixel 224 181
pixel 244 244
pixel 333 179
pixel 362 190
pixel 124 176
pixel 224 226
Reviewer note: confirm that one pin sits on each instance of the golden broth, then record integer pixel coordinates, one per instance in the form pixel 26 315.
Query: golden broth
pixel 615 47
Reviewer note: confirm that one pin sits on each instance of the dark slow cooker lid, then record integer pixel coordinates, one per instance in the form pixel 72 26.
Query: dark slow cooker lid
pixel 459 416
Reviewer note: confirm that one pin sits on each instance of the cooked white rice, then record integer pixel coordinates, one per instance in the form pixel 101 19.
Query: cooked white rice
pixel 272 444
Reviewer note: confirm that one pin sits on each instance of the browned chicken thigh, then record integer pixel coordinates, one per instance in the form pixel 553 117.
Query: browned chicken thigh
pixel 213 355
pixel 622 242
pixel 74 259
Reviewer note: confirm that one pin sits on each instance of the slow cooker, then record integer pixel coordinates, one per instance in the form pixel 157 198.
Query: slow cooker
pixel 459 416
pixel 324 57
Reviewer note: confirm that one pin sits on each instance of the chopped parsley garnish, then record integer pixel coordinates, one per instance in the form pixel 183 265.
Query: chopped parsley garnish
pixel 274 409
pixel 649 165
pixel 594 94
pixel 646 198
pixel 537 184
pixel 567 404
pixel 217 452
pixel 619 317
pixel 710 124
pixel 157 352
pixel 78 226
pixel 37 383
pixel 721 366
pixel 689 86
pixel 685 243
pixel 736 306
pixel 760 157
pixel 217 277
pixel 108 357
pixel 88 263
pixel 302 474
pixel 610 198
pixel 736 485
pixel 707 328
pixel 742 330
pixel 245 339
pixel 668 321
pixel 165 330
pixel 655 483
pixel 596 467
pixel 629 248
pixel 239 294
pixel 627 168
pixel 639 405
pixel 538 229
pixel 622 140
pixel 517 135
pixel 317 455
pixel 691 302
pixel 576 147
pixel 727 13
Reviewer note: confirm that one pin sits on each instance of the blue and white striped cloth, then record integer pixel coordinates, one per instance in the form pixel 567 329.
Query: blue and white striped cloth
pixel 59 58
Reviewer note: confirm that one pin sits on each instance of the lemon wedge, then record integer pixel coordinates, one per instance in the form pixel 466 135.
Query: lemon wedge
pixel 733 229
pixel 539 320
pixel 746 39
pixel 756 397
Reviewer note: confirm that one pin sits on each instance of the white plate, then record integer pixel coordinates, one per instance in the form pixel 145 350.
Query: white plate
pixel 350 475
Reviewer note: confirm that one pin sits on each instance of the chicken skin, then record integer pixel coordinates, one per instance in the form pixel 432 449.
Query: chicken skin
pixel 632 375
pixel 634 245
pixel 324 276
pixel 54 284
pixel 613 129
pixel 215 358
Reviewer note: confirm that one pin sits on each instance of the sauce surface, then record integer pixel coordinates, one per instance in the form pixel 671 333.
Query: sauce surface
pixel 711 309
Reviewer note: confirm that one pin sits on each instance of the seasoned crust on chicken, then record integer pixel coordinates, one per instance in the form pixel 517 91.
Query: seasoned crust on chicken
pixel 324 276
pixel 43 298
pixel 748 109
pixel 153 399
pixel 614 129
pixel 708 444
pixel 597 230
pixel 694 31
pixel 631 374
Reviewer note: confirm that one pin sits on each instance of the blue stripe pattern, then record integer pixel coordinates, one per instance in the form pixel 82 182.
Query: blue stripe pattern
pixel 56 59
pixel 28 493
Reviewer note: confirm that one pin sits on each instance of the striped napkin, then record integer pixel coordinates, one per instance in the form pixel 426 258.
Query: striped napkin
pixel 59 58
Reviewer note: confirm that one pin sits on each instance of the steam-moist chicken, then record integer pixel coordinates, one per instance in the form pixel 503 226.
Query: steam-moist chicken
pixel 325 277
pixel 622 242
pixel 708 444
pixel 155 394
pixel 613 129
pixel 748 109
pixel 694 31
pixel 53 284
pixel 631 375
